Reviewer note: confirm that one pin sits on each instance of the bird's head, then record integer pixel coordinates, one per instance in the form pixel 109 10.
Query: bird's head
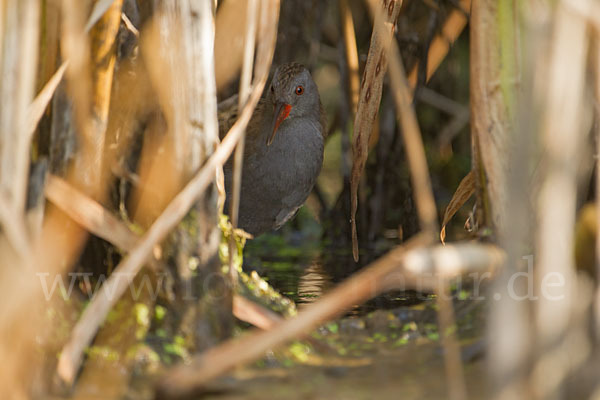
pixel 293 93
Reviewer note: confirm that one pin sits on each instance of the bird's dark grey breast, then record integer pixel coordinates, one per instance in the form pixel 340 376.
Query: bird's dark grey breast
pixel 277 179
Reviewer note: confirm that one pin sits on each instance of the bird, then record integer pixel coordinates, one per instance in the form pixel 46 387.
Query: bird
pixel 283 154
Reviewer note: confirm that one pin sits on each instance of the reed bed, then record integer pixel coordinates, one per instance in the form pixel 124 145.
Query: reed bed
pixel 90 88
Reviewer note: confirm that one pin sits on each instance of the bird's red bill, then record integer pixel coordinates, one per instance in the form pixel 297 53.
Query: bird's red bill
pixel 282 112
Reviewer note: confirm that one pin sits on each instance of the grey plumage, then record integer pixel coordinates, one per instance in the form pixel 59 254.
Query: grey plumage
pixel 277 178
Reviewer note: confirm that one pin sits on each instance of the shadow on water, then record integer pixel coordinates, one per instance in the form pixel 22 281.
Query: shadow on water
pixel 302 264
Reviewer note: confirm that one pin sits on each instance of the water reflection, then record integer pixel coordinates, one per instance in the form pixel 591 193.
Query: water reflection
pixel 303 267
pixel 312 284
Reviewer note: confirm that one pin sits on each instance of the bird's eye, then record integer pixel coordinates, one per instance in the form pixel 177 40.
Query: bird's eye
pixel 272 89
pixel 299 90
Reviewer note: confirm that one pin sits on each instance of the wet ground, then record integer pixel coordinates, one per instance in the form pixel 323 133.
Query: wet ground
pixel 415 371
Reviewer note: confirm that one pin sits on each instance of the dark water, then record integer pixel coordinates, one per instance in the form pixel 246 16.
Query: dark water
pixel 301 265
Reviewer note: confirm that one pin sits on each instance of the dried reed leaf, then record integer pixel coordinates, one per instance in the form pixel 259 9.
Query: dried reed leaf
pixel 596 48
pixel 49 43
pixel 40 103
pixel 115 333
pixel 368 103
pixel 88 213
pixel 465 190
pixel 440 45
pixel 415 150
pixel 562 133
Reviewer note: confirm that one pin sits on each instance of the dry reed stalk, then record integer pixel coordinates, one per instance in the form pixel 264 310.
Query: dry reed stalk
pixel 596 49
pixel 89 78
pixel 18 66
pixel 244 92
pixel 455 376
pixel 21 282
pixel 202 91
pixel 196 108
pixel 439 48
pixel 407 266
pixel 75 47
pixel 510 329
pixel 179 82
pixel 368 103
pixel 444 263
pixel 415 151
pixel 350 53
pixel 465 190
pixel 37 108
pixel 490 110
pixel 95 313
pixel 440 45
pixel 48 49
pixel 164 159
pixel 561 135
pixel 589 12
pixel 14 228
pixel 100 8
pixel 88 213
pixel 2 17
pixel 255 314
pixel 562 138
pixel 169 159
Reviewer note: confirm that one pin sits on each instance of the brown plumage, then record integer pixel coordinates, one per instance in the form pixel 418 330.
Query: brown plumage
pixel 284 149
